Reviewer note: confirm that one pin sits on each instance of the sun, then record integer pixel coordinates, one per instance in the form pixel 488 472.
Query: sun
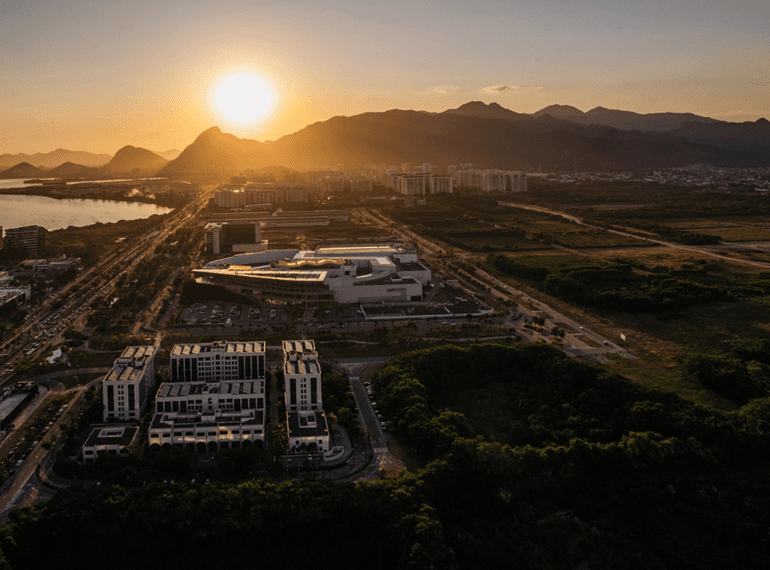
pixel 243 98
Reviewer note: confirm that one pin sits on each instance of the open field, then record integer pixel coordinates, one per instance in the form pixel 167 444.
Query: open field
pixel 667 302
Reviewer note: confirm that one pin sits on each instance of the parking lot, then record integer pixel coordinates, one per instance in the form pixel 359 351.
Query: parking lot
pixel 232 314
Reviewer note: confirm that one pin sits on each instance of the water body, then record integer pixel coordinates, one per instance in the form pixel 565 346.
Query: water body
pixel 52 214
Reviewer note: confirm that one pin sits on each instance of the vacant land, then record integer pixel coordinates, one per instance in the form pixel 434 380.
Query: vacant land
pixel 667 302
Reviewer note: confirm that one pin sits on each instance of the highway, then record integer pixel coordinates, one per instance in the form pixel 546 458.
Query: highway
pixel 44 324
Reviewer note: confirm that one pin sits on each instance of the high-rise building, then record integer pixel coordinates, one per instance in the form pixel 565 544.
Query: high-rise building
pixel 126 386
pixel 308 428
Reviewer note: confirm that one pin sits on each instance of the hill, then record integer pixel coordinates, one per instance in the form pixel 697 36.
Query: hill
pixel 55 158
pixel 214 150
pixel 130 158
pixel 71 170
pixel 23 170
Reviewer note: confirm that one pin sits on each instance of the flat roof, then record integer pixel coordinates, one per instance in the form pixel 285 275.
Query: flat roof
pixel 255 418
pixel 307 424
pixel 111 435
pixel 250 347
pixel 227 387
pixel 130 366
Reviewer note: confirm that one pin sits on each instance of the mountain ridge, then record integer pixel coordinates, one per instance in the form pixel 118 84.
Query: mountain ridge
pixel 466 134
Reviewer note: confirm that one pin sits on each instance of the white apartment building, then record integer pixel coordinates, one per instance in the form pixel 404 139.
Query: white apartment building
pixel 440 184
pixel 126 386
pixel 491 180
pixel 218 361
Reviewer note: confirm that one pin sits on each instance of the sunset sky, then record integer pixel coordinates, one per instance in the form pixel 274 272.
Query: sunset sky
pixel 97 75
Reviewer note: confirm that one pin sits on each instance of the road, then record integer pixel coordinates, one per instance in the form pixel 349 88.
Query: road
pixel 367 416
pixel 45 324
pixel 694 249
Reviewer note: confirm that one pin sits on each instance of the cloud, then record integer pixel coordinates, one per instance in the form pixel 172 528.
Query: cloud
pixel 502 88
pixel 443 89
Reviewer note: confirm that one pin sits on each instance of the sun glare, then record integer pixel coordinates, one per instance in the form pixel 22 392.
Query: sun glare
pixel 243 98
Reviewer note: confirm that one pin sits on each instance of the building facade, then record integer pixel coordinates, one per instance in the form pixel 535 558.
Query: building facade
pixel 209 416
pixel 26 241
pixel 127 385
pixel 218 361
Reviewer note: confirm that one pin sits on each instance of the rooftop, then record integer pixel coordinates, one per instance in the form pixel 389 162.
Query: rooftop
pixel 307 424
pixel 252 347
pixel 130 366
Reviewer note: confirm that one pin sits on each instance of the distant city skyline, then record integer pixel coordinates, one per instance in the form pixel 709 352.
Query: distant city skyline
pixel 96 76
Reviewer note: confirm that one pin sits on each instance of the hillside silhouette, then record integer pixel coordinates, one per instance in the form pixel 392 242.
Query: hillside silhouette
pixel 486 135
pixel 130 158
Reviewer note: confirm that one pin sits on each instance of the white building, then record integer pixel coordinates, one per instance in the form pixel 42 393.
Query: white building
pixel 354 274
pixel 440 184
pixel 218 361
pixel 305 418
pixel 126 386
pixel 209 416
pixel 491 180
pixel 302 376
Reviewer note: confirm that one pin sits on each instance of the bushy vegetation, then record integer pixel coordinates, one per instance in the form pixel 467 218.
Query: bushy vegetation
pixel 583 466
pixel 742 373
pixel 622 287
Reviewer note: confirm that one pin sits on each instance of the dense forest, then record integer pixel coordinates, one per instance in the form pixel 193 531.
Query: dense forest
pixel 531 460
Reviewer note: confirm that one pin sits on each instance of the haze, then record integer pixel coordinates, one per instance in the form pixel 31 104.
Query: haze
pixel 96 76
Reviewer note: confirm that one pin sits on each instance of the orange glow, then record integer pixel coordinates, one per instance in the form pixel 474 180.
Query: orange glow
pixel 243 99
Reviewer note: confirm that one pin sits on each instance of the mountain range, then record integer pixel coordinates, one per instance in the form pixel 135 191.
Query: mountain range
pixel 558 137
pixel 555 138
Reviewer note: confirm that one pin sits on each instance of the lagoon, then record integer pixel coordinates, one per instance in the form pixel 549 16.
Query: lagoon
pixel 18 210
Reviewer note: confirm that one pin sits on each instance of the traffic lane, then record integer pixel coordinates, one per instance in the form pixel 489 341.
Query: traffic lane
pixel 366 412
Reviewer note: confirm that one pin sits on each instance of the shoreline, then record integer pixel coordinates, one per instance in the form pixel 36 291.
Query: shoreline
pixel 46 192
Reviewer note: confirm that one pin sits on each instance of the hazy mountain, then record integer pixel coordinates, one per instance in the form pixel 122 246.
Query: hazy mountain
pixel 23 170
pixel 491 111
pixel 565 112
pixel 55 158
pixel 626 120
pixel 728 134
pixel 130 158
pixel 450 138
pixel 169 154
pixel 214 150
pixel 72 170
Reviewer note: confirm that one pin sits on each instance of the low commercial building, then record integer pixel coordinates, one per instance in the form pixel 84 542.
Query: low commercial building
pixel 17 295
pixel 126 386
pixel 14 399
pixel 354 274
pixel 108 440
